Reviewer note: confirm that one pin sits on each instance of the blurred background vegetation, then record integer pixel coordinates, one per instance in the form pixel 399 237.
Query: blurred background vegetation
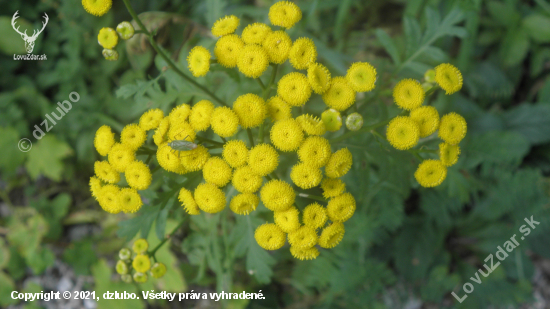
pixel 406 246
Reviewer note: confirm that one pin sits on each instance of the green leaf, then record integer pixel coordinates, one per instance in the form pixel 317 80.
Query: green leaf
pixel 142 221
pixel 504 13
pixel 544 93
pixel 413 34
pixel 389 45
pixel 214 10
pixel 103 283
pixel 46 158
pixel 495 147
pixel 258 261
pixel 538 27
pixel 12 157
pixel 7 286
pixel 531 121
pixel 81 256
pixel 514 47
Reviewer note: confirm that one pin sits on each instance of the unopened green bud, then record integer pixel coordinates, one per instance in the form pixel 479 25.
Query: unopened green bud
pixel 126 278
pixel 158 270
pixel 332 120
pixel 429 76
pixel 124 254
pixel 140 246
pixel 110 54
pixel 427 86
pixel 121 267
pixel 125 30
pixel 354 121
pixel 140 277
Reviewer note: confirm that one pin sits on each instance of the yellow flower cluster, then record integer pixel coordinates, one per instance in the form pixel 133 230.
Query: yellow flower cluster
pixel 404 132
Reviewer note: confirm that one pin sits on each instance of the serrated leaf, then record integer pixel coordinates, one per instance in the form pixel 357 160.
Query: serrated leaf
pixel 46 158
pixel 142 221
pixel 389 45
pixel 538 27
pixel 515 47
pixel 531 121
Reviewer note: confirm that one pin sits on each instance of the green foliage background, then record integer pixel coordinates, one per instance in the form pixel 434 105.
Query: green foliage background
pixel 403 242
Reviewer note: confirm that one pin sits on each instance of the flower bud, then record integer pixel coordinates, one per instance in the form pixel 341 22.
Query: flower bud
pixel 140 277
pixel 158 270
pixel 332 120
pixel 126 278
pixel 125 30
pixel 110 54
pixel 429 76
pixel 124 254
pixel 140 246
pixel 354 121
pixel 121 267
pixel 427 86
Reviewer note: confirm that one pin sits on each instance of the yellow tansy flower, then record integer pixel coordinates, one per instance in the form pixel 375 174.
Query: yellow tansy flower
pixel 133 136
pixel 188 202
pixel 106 172
pixel 225 25
pixel 284 14
pixel 332 187
pixel 179 113
pixel 104 140
pixel 245 180
pixel 269 236
pixel 109 199
pixel 198 61
pixel 228 50
pixel 408 94
pixel 341 208
pixel 141 263
pixel 263 159
pixel 217 171
pixel 319 78
pixel 255 33
pixel 130 201
pixel 305 175
pixel 287 135
pixel 403 133
pixel 452 128
pixel 361 76
pixel 304 254
pixel 253 61
pixel 97 7
pixel 244 203
pixel 251 110
pixel 339 163
pixel 277 195
pixel 194 160
pixel 302 53
pixel 107 37
pixel 427 119
pixel 120 156
pixel 278 109
pixel 294 89
pixel 160 133
pixel 140 246
pixel 277 44
pixel 95 186
pixel 224 121
pixel 151 119
pixel 315 151
pixel 448 154
pixel 181 131
pixel 209 198
pixel 287 220
pixel 448 77
pixel 430 173
pixel 303 237
pixel 311 125
pixel 339 95
pixel 138 175
pixel 235 153
pixel 200 116
pixel 315 216
pixel 331 235
pixel 168 159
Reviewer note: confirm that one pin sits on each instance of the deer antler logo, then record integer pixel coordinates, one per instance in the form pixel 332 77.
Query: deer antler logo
pixel 29 40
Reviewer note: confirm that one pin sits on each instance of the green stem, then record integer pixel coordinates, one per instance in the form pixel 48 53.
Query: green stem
pixel 149 158
pixel 363 130
pixel 414 153
pixel 271 81
pixel 312 197
pixel 250 138
pixel 166 58
pixel 274 175
pixel 152 252
pixel 155 169
pixel 261 83
pixel 207 140
pixel 261 133
pixel 431 90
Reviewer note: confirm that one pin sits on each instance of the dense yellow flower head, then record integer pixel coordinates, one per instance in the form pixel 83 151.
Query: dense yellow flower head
pixel 448 154
pixel 263 159
pixel 168 159
pixel 130 201
pixel 277 195
pixel 106 172
pixel 294 89
pixel 361 76
pixel 133 136
pixel 302 54
pixel 209 198
pixel 104 140
pixel 245 180
pixel 120 156
pixel 107 37
pixel 448 77
pixel 179 114
pixel 140 246
pixel 332 187
pixel 430 173
pixel 217 171
pixel 287 220
pixel 427 119
pixel 160 133
pixel 284 14
pixel 319 78
pixel 244 203
pixel 304 254
pixel 200 116
pixel 341 208
pixel 311 125
pixel 253 60
pixel 151 119
pixel 109 199
pixel 251 110
pixel 332 120
pixel 278 109
pixel 277 44
pixel 188 202
pixel 225 25
pixel 255 33
pixel 95 186
pixel 194 160
pixel 315 216
pixel 403 133
pixel 331 235
pixel 305 175
pixel 141 263
pixel 408 94
pixel 269 236
pixel 198 61
pixel 224 121
pixel 452 128
pixel 235 153
pixel 181 131
pixel 228 50
pixel 315 151
pixel 339 163
pixel 287 135
pixel 302 238
pixel 138 175
pixel 97 7
pixel 339 95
